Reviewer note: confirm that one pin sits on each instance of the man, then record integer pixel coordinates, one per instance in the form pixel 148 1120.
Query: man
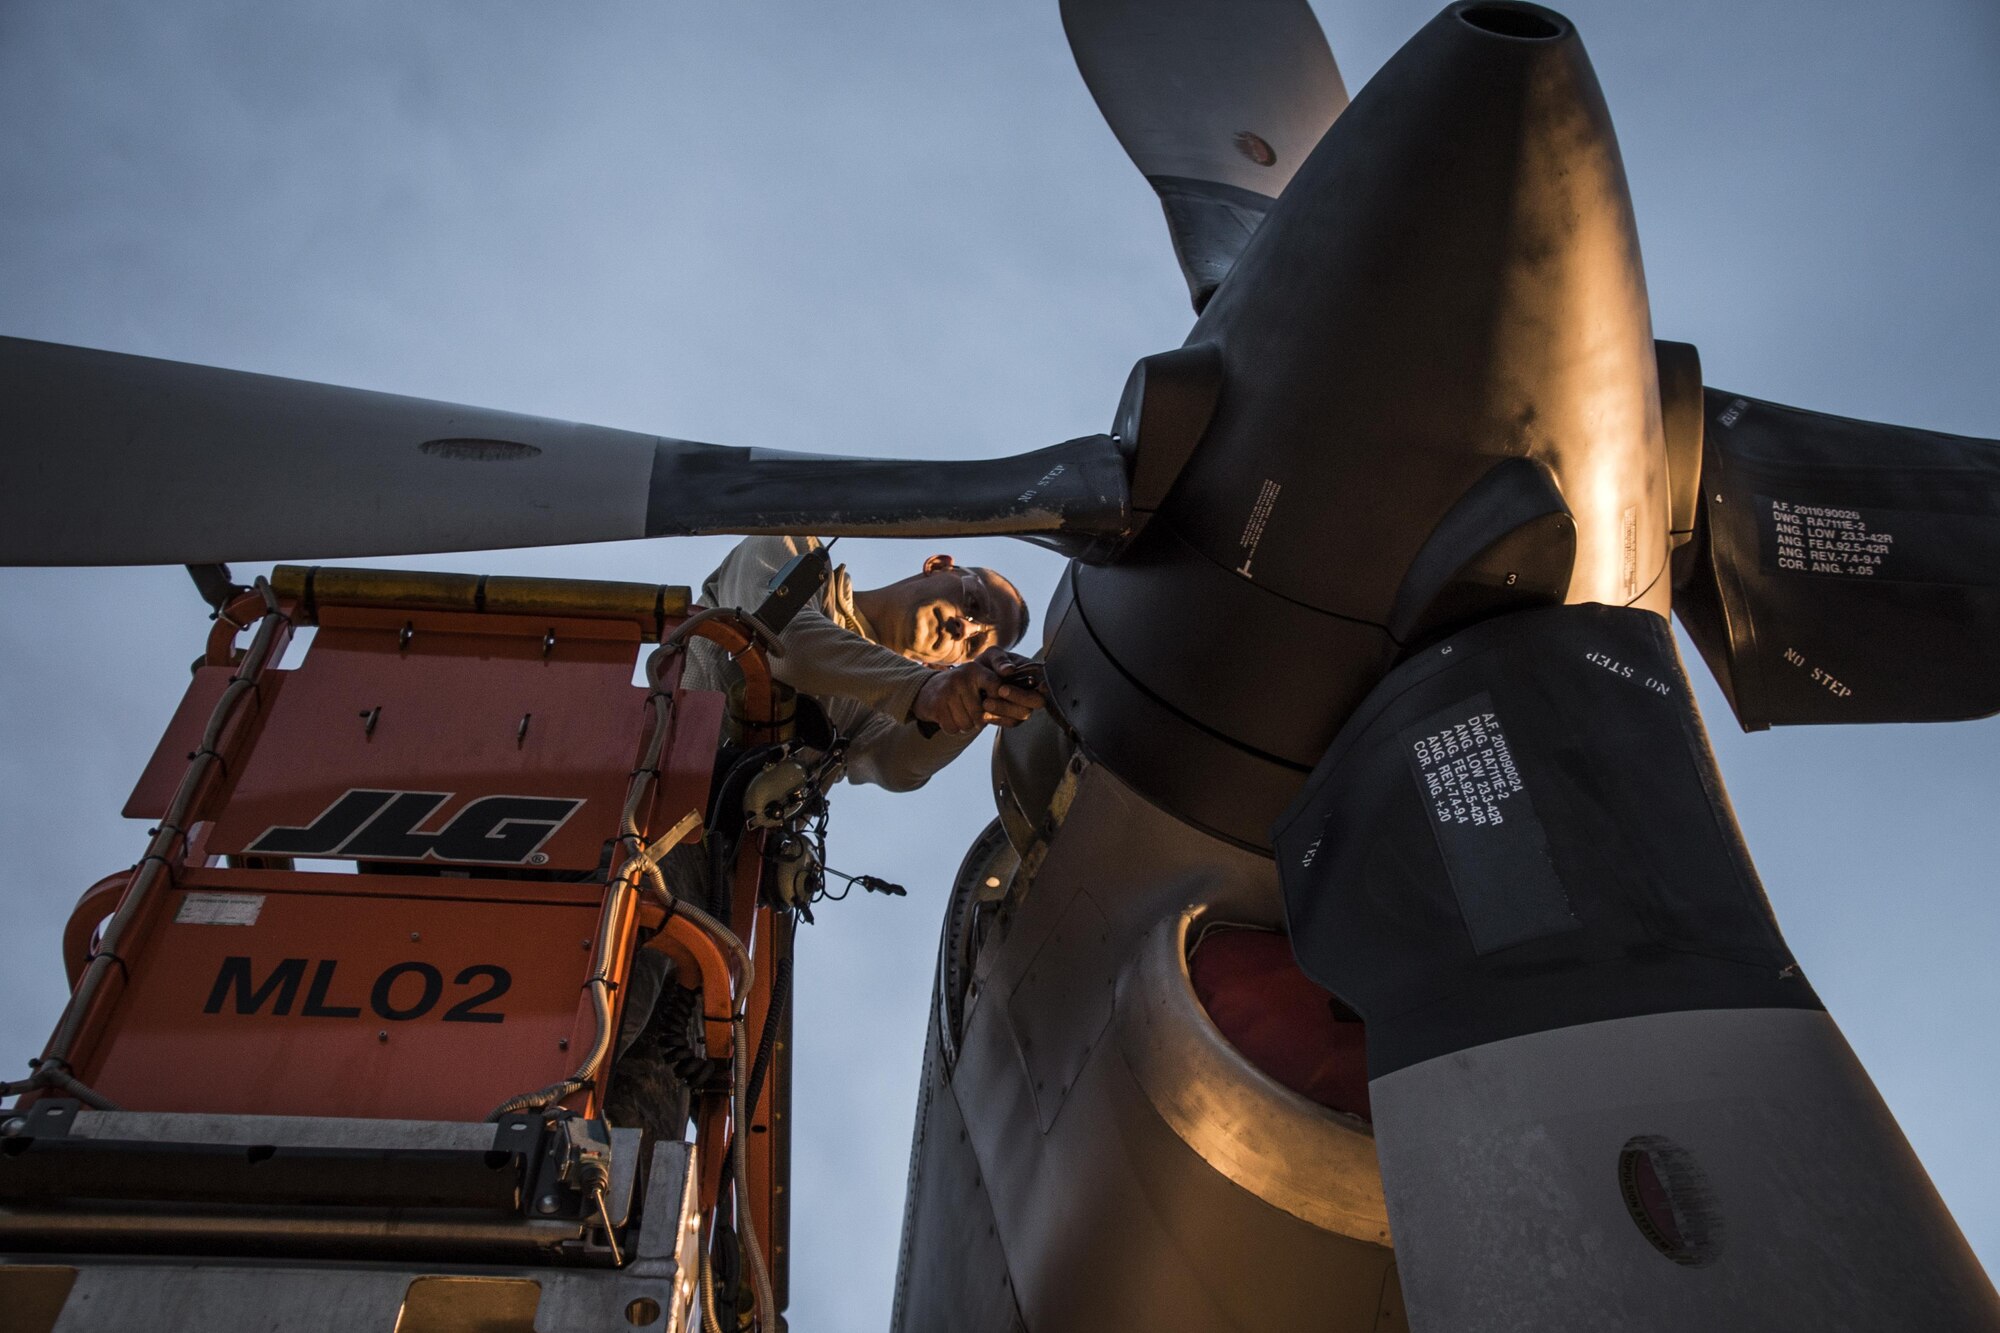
pixel 909 672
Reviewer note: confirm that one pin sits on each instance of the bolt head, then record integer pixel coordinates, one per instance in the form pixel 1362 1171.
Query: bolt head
pixel 546 1204
pixel 13 1125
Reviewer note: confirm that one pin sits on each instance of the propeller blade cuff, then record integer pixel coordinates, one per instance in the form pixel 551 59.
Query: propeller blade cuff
pixel 1844 571
pixel 1523 830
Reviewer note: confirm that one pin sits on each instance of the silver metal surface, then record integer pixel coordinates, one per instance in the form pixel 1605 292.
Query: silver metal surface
pixel 1181 85
pixel 625 1149
pixel 1803 1207
pixel 218 464
pixel 1061 1004
pixel 1314 1163
pixel 1100 1212
pixel 244 1296
pixel 282 1131
pixel 283 1231
pixel 224 1230
pixel 669 1242
pixel 189 1298
pixel 574 1302
pixel 163 1298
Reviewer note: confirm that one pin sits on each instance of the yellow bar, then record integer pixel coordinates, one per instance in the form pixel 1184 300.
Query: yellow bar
pixel 583 597
pixel 310 587
pixel 405 588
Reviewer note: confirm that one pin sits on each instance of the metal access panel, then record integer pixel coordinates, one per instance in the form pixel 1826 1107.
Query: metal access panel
pixel 278 993
pixel 443 739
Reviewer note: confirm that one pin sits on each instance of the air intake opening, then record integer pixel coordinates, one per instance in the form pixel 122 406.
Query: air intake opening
pixel 1278 1018
pixel 1506 21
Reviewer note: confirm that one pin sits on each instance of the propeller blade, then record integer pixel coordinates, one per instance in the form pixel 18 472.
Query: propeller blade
pixel 1217 104
pixel 115 459
pixel 1603 1094
pixel 1844 571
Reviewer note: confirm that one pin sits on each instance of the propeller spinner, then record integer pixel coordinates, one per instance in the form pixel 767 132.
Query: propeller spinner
pixel 1434 514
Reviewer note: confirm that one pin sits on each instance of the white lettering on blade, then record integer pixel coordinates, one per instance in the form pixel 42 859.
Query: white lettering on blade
pixel 1028 496
pixel 1468 771
pixel 1253 530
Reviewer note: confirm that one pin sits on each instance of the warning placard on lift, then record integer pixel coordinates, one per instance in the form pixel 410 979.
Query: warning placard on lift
pixel 219 909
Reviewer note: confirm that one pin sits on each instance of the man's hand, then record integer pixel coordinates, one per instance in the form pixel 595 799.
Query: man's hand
pixel 971 695
pixel 1008 666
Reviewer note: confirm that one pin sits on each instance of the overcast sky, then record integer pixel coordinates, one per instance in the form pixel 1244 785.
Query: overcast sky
pixel 902 228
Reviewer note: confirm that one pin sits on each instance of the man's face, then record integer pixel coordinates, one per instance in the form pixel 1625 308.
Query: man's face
pixel 951 615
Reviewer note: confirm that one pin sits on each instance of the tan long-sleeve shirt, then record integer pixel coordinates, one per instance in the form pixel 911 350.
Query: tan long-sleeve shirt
pixel 830 654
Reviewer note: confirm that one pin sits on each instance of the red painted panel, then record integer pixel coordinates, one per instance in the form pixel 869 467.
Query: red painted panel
pixel 162 776
pixel 447 711
pixel 288 992
pixel 347 970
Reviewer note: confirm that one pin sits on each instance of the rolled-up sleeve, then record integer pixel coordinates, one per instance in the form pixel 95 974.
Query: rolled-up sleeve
pixel 824 660
pixel 868 690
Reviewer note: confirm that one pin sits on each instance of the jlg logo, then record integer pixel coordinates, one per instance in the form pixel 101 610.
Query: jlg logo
pixel 381 826
pixel 418 995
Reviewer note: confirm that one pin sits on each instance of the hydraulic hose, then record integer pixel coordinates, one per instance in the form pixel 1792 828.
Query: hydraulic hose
pixel 600 1046
pixel 647 859
pixel 767 1043
pixel 53 1069
pixel 643 869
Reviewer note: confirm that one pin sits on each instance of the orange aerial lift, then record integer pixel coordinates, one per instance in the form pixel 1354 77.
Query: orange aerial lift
pixel 338 1046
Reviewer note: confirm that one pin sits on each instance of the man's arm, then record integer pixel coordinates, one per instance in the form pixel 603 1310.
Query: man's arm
pixel 898 756
pixel 960 703
pixel 878 698
pixel 820 658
